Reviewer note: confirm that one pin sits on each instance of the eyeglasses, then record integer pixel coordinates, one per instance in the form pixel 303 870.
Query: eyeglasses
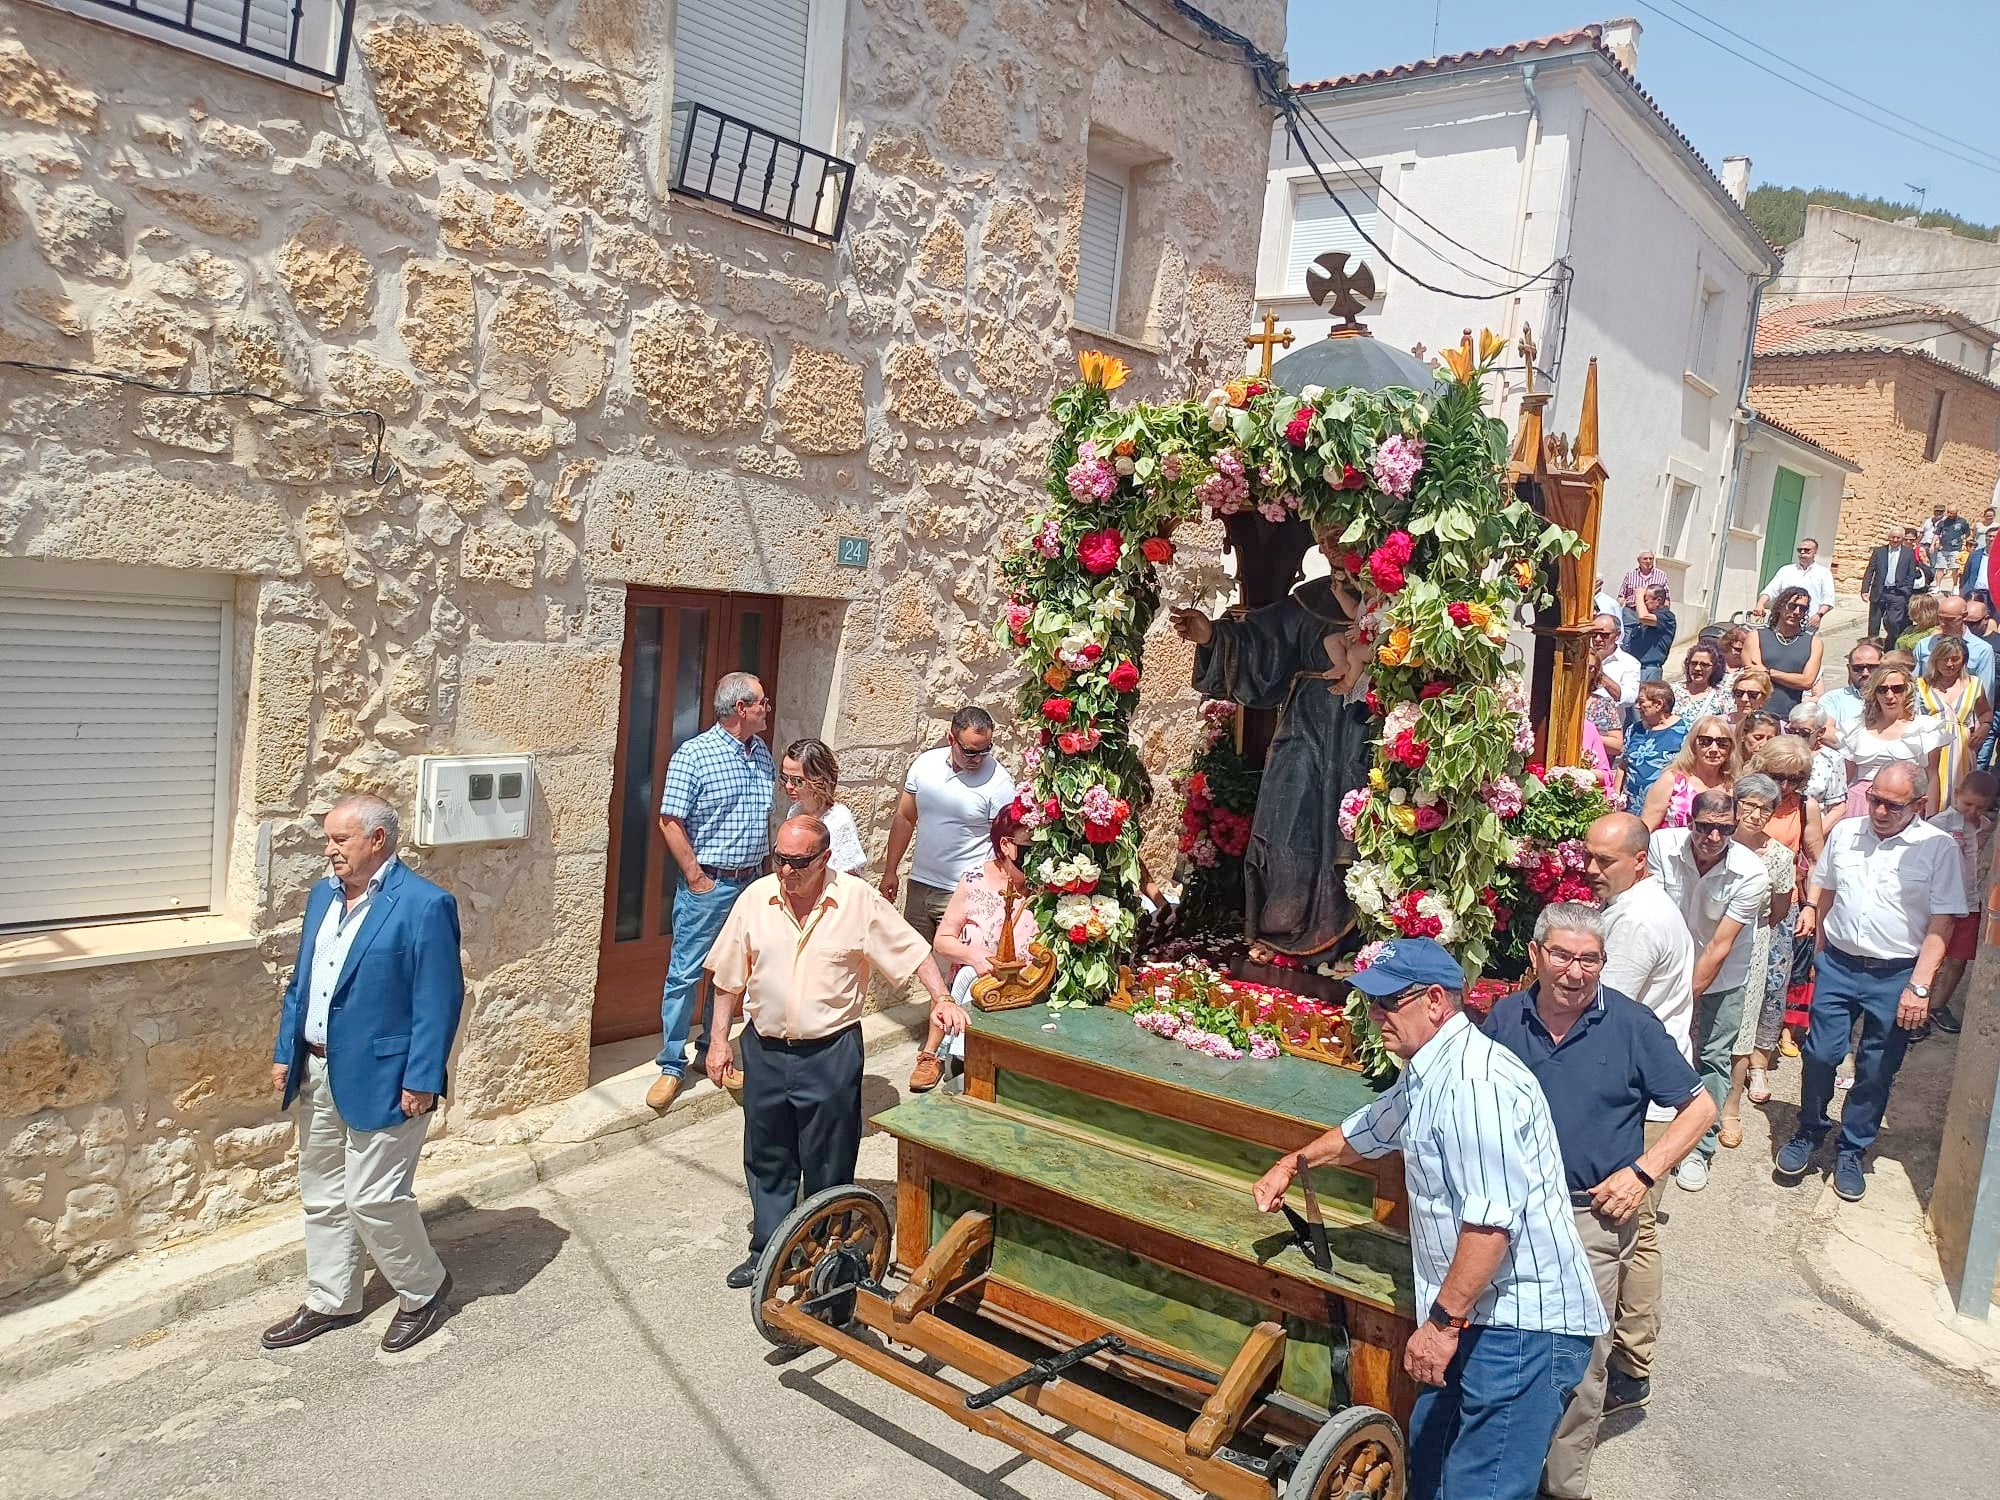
pixel 1746 695
pixel 792 780
pixel 971 754
pixel 799 861
pixel 1714 741
pixel 1714 830
pixel 1889 805
pixel 1558 959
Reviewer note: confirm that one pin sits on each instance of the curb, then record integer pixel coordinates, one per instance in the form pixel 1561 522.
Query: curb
pixel 149 1293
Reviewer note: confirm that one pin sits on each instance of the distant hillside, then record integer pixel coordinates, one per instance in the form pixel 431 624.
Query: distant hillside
pixel 1780 212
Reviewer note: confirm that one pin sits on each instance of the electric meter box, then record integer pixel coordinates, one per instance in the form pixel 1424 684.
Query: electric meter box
pixel 473 799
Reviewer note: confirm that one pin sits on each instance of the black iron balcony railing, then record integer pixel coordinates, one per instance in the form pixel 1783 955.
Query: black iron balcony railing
pixel 760 173
pixel 307 36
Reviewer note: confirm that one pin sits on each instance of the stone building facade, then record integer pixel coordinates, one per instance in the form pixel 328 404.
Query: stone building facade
pixel 587 386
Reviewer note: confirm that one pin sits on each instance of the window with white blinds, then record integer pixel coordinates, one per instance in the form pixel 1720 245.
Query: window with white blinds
pixel 1318 225
pixel 114 754
pixel 224 29
pixel 747 59
pixel 1101 247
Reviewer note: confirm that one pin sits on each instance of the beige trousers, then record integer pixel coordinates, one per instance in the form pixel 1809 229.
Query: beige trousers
pixel 359 1190
pixel 1607 1244
pixel 1635 1327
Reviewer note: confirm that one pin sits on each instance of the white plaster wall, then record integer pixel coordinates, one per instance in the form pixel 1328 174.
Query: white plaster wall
pixel 1891 256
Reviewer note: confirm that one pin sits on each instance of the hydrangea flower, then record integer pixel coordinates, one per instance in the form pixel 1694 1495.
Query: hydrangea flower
pixel 1396 463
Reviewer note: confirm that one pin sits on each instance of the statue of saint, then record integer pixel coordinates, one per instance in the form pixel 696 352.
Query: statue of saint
pixel 1301 657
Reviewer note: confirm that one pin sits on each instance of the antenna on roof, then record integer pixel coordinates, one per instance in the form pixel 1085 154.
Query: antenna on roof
pixel 1922 193
pixel 1847 295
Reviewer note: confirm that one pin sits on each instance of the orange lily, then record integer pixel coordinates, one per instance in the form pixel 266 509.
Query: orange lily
pixel 1460 361
pixel 1105 371
pixel 1490 344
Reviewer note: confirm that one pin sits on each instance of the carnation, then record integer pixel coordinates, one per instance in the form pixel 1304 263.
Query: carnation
pixel 1459 614
pixel 1396 464
pixel 1351 807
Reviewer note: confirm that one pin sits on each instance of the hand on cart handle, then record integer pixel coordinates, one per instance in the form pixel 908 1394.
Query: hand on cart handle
pixel 1271 1188
pixel 949 1015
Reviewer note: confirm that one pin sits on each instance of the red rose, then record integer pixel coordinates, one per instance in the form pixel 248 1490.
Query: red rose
pixel 1254 388
pixel 1091 652
pixel 1297 430
pixel 1460 615
pixel 1374 702
pixel 1057 709
pixel 1100 833
pixel 1435 689
pixel 1099 551
pixel 1157 549
pixel 1384 571
pixel 1542 879
pixel 1429 820
pixel 1412 751
pixel 1352 478
pixel 1351 561
pixel 1051 810
pixel 1399 546
pixel 1079 935
pixel 1124 677
pixel 1070 742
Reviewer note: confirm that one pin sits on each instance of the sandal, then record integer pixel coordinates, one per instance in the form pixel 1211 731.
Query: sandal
pixel 927 1074
pixel 1787 1047
pixel 1759 1090
pixel 1731 1133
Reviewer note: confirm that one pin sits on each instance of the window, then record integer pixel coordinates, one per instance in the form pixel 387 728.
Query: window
pixel 304 43
pixel 1320 225
pixel 1100 259
pixel 1934 439
pixel 1707 326
pixel 1680 510
pixel 115 703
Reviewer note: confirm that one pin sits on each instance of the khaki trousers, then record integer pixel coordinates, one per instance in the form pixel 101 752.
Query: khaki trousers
pixel 1635 1327
pixel 1608 1246
pixel 359 1190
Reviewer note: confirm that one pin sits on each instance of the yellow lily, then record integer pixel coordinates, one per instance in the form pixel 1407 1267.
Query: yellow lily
pixel 1490 344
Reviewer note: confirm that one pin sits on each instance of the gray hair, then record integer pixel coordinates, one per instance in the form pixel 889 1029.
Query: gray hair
pixel 1920 776
pixel 1808 714
pixel 372 813
pixel 1757 787
pixel 732 690
pixel 1569 916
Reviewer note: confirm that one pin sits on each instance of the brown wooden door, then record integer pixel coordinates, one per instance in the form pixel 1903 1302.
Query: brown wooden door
pixel 677 647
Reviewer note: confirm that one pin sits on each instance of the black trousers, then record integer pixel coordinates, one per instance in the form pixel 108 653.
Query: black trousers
pixel 1889 616
pixel 801 1122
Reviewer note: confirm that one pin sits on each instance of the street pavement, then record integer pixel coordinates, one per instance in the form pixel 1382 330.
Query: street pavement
pixel 597 1353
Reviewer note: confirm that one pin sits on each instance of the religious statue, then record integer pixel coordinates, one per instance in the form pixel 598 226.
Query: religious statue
pixel 1297 656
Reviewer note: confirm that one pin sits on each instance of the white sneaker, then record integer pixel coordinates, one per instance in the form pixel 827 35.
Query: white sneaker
pixel 1692 1173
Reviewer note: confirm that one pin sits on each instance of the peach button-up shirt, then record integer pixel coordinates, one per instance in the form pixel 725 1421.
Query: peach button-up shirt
pixel 804 980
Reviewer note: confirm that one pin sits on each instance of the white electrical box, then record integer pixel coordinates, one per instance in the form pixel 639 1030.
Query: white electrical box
pixel 473 799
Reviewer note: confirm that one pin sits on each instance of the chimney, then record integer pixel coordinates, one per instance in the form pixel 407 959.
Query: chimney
pixel 1736 177
pixel 1621 40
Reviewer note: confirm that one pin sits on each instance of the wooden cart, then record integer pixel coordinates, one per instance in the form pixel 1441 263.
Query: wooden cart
pixel 1090 1192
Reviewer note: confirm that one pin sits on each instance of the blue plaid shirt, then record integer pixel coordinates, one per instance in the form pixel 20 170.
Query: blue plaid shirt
pixel 721 791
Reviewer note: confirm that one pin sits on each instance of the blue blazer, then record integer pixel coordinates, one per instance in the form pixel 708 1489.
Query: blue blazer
pixel 395 1006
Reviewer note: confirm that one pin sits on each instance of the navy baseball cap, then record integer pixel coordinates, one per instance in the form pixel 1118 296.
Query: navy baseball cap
pixel 1406 962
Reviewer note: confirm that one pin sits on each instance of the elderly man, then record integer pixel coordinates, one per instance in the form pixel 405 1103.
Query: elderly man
pixel 1721 889
pixel 1647 575
pixel 797 951
pixel 1504 1291
pixel 950 798
pixel 367 1023
pixel 1603 1060
pixel 1892 575
pixel 1884 895
pixel 1952 611
pixel 1843 705
pixel 715 814
pixel 1806 572
pixel 1615 673
pixel 1650 957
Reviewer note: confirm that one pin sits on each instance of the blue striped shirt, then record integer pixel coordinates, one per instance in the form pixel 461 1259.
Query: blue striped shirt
pixel 1479 1149
pixel 720 790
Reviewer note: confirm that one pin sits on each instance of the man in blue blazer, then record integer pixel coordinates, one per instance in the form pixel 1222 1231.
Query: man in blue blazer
pixel 368 1022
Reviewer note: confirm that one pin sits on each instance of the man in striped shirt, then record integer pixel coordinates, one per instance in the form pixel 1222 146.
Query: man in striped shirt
pixel 1505 1294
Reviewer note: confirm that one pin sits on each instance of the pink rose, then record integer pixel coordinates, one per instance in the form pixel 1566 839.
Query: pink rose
pixel 1099 551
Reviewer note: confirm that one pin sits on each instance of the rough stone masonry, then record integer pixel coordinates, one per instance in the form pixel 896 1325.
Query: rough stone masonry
pixel 587 384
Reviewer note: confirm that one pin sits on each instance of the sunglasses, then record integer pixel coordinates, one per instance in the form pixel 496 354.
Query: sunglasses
pixel 1789 780
pixel 1388 1003
pixel 799 861
pixel 1888 805
pixel 792 780
pixel 971 754
pixel 1894 687
pixel 1746 695
pixel 1714 830
pixel 1714 740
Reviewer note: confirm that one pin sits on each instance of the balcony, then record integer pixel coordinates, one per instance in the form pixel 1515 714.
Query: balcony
pixel 303 42
pixel 756 172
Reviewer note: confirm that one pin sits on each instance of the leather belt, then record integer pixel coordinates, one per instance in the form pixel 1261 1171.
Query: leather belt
pixel 738 872
pixel 1873 965
pixel 315 1049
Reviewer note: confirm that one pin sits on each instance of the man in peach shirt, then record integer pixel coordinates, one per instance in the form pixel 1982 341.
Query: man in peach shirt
pixel 797 951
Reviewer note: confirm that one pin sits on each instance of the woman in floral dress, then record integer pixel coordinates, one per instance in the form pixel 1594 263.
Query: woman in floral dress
pixel 1702 766
pixel 1756 800
pixel 1700 690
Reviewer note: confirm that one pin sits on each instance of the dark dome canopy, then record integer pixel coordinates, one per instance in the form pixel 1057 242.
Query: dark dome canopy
pixel 1354 359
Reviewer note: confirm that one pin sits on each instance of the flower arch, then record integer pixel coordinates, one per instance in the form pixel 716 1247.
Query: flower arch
pixel 1413 484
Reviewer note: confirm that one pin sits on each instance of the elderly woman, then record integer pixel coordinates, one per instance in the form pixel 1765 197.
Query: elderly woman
pixel 1787 648
pixel 1948 690
pixel 1923 621
pixel 1756 800
pixel 1797 824
pixel 1701 690
pixel 1891 730
pixel 1702 766
pixel 1826 782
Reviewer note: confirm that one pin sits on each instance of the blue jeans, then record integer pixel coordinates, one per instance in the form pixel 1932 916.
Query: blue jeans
pixel 697 921
pixel 1484 1434
pixel 1842 992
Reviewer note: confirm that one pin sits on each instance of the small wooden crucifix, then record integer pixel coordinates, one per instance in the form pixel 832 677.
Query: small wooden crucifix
pixel 1528 351
pixel 1269 339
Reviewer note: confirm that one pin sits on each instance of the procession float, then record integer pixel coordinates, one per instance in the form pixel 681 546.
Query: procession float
pixel 1388 749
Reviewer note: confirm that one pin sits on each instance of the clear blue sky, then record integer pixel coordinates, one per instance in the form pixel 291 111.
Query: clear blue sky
pixel 1936 61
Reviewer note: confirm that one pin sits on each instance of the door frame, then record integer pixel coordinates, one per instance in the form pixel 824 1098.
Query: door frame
pixel 1775 557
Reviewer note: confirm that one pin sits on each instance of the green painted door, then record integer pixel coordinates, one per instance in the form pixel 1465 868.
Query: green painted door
pixel 1781 526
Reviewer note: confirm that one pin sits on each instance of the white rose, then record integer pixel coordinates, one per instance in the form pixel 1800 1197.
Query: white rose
pixel 1312 393
pixel 1398 796
pixel 1218 420
pixel 1216 397
pixel 1124 466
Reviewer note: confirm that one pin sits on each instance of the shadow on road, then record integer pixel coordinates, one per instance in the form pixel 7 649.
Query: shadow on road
pixel 492 1252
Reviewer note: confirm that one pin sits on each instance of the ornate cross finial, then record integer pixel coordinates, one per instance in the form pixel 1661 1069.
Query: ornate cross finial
pixel 1528 351
pixel 1344 293
pixel 1419 349
pixel 1270 338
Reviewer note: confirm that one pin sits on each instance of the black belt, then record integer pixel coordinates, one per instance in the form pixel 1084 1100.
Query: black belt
pixel 1872 965
pixel 804 1044
pixel 737 872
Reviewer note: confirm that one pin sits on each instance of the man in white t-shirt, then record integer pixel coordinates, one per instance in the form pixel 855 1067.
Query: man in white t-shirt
pixel 1649 956
pixel 1616 674
pixel 950 799
pixel 1807 573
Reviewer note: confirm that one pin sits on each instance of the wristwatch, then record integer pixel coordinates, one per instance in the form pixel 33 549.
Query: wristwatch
pixel 1921 991
pixel 1439 1318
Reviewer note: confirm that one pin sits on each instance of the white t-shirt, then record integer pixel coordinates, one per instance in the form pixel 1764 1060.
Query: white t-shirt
pixel 955 813
pixel 1649 957
pixel 1622 668
pixel 1736 887
pixel 845 847
pixel 1817 581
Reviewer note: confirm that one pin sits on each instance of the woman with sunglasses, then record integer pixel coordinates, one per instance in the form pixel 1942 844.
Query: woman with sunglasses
pixel 1701 691
pixel 1702 766
pixel 1787 649
pixel 1796 823
pixel 968 933
pixel 1891 730
pixel 1748 694
pixel 810 777
pixel 1826 780
pixel 1756 800
pixel 1948 690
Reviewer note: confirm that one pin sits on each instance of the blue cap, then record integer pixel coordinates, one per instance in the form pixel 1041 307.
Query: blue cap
pixel 1406 962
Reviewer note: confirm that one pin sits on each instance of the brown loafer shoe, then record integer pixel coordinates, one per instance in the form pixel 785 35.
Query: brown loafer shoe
pixel 660 1097
pixel 304 1324
pixel 927 1074
pixel 1730 1133
pixel 410 1327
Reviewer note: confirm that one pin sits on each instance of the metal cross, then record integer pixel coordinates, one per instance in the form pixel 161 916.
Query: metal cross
pixel 1344 293
pixel 1269 339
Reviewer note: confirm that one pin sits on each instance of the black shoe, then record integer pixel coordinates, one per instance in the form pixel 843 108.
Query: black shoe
pixel 1920 1033
pixel 1624 1392
pixel 744 1274
pixel 1945 1021
pixel 412 1326
pixel 304 1324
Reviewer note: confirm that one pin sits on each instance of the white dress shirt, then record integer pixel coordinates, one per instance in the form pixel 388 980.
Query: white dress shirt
pixel 1885 891
pixel 1736 886
pixel 1817 581
pixel 1622 668
pixel 1479 1149
pixel 337 932
pixel 1649 956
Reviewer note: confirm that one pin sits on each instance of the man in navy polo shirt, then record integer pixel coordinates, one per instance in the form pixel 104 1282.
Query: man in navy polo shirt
pixel 1600 1058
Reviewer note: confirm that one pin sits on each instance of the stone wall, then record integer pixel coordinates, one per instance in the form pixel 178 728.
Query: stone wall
pixel 1876 409
pixel 584 385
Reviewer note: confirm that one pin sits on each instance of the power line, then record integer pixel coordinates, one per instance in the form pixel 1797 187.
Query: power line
pixel 1887 275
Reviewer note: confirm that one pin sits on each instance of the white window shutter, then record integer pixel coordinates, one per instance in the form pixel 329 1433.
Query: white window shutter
pixel 1318 225
pixel 1100 251
pixel 112 752
pixel 747 59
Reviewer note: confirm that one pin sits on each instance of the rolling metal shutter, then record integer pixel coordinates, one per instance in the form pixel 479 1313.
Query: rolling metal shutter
pixel 113 754
pixel 1318 226
pixel 746 58
pixel 1100 251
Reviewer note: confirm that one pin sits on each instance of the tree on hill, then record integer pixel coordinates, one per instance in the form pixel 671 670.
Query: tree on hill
pixel 1780 212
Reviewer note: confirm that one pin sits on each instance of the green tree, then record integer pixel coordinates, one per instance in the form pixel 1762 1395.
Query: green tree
pixel 1780 212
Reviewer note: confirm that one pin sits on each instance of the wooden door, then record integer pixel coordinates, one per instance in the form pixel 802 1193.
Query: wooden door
pixel 677 647
pixel 1781 525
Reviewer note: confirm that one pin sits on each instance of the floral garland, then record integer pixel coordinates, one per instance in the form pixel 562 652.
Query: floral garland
pixel 1411 484
pixel 1191 1004
pixel 1218 798
pixel 1545 864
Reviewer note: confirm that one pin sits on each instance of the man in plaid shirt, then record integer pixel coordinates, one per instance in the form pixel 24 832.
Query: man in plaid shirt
pixel 716 817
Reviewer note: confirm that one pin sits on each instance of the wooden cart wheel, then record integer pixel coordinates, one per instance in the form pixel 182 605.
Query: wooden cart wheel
pixel 829 1242
pixel 1357 1455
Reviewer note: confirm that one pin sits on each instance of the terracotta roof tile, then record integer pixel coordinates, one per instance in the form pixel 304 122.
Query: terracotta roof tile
pixel 1799 437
